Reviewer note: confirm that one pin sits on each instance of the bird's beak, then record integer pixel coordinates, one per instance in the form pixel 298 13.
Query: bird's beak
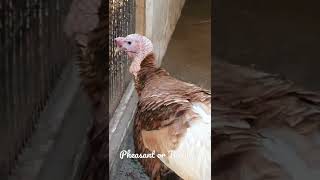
pixel 118 41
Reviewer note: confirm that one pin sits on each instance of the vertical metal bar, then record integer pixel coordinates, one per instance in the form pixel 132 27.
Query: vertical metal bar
pixel 28 77
pixel 31 33
pixel 15 69
pixel 48 46
pixel 41 57
pixel 23 73
pixel 2 93
pixel 6 90
pixel 58 16
pixel 44 56
pixel 10 68
pixel 53 43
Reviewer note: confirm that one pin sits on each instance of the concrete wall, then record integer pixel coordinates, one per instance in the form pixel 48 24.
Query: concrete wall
pixel 157 20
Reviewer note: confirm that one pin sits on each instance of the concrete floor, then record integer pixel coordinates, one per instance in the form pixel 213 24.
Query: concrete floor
pixel 189 51
pixel 187 58
pixel 279 37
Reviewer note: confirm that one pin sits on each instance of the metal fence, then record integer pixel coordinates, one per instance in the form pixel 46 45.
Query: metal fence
pixel 121 23
pixel 33 52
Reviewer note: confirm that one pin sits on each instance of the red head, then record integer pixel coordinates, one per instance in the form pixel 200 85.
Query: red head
pixel 135 45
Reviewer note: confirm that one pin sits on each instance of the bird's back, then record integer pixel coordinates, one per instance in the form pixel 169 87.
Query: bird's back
pixel 164 102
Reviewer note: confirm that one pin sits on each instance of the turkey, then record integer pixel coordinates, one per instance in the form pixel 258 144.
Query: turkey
pixel 265 127
pixel 173 118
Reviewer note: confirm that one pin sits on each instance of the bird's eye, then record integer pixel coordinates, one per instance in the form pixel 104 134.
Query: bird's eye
pixel 129 42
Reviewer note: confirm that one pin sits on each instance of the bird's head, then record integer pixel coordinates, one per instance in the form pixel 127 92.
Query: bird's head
pixel 136 46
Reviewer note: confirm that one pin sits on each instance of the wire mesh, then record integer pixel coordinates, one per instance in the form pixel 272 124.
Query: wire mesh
pixel 33 52
pixel 121 23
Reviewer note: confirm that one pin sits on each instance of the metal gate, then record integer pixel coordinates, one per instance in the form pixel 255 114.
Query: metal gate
pixel 121 23
pixel 33 51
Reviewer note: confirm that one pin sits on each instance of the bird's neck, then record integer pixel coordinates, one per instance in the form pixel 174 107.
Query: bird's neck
pixel 147 70
pixel 148 63
pixel 145 53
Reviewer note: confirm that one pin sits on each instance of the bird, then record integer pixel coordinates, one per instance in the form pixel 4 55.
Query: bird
pixel 265 126
pixel 173 117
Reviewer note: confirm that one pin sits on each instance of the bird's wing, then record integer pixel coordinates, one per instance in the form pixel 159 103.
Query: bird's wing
pixel 185 145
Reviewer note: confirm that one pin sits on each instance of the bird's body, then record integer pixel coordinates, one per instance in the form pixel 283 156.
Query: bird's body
pixel 172 118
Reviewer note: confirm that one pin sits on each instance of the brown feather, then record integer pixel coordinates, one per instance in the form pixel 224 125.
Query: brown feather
pixel 163 112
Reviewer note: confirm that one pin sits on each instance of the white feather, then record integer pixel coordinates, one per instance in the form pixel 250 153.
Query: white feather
pixel 192 159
